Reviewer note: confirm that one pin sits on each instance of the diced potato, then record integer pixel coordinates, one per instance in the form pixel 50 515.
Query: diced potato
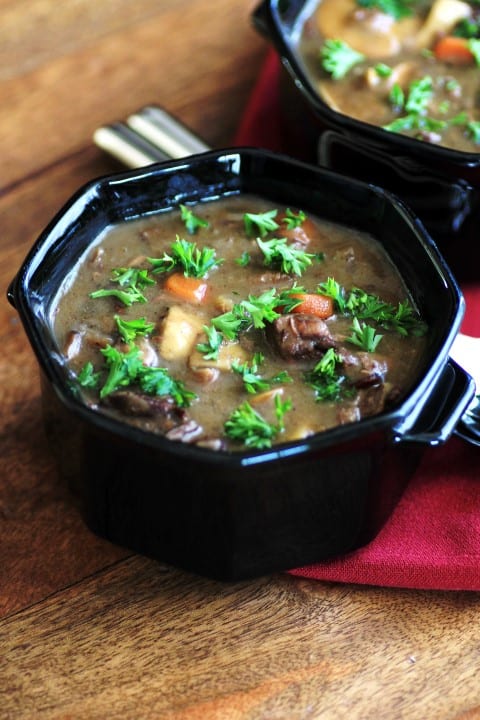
pixel 179 333
pixel 228 353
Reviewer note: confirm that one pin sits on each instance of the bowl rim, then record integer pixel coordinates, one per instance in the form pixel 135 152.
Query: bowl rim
pixel 54 372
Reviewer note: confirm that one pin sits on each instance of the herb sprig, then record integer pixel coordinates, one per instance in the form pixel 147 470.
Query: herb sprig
pixel 126 368
pixel 249 427
pixel 289 259
pixel 185 254
pixel 326 379
pixel 192 222
pixel 132 282
pixel 253 381
pixel 338 58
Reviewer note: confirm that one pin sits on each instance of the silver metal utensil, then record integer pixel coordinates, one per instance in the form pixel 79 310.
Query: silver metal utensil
pixel 153 135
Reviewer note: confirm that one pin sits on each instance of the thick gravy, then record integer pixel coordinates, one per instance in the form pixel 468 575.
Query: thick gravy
pixel 295 325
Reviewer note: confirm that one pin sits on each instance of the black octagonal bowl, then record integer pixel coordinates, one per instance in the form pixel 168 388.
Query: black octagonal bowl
pixel 441 185
pixel 232 515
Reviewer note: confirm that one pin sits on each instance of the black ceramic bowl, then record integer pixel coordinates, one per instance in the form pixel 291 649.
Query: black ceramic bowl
pixel 442 186
pixel 236 515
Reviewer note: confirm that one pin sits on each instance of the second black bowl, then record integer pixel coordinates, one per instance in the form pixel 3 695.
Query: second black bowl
pixel 441 185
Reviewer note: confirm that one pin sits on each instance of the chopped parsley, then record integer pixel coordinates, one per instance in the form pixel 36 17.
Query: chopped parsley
pixel 289 259
pixel 364 336
pixel 260 223
pixel 293 220
pixel 186 255
pixel 126 368
pixel 326 380
pixel 254 311
pixel 402 318
pixel 253 381
pixel 87 377
pixel 338 58
pixel 132 282
pixel 247 426
pixel 130 329
pixel 192 221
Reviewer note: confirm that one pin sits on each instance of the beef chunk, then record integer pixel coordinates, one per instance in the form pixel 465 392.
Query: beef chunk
pixel 298 336
pixel 363 369
pixel 154 414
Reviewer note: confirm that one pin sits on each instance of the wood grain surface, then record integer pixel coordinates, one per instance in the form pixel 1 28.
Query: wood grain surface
pixel 88 630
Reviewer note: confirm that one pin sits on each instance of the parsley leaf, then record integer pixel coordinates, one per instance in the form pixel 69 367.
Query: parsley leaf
pixel 192 222
pixel 364 336
pixel 261 223
pixel 252 381
pixel 288 258
pixel 129 329
pixel 293 220
pixel 123 368
pixel 126 369
pixel 338 58
pixel 157 381
pixel 249 427
pixel 132 281
pixel 211 348
pixel 87 377
pixel 326 380
pixel 195 262
pixel 402 318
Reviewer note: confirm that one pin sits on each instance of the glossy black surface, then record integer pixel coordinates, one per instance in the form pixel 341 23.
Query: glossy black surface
pixel 442 186
pixel 238 515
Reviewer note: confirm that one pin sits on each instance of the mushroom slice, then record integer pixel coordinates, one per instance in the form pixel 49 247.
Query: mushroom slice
pixel 372 33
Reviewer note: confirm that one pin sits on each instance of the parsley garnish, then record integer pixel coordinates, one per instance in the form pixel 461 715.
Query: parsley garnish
pixel 132 281
pixel 157 381
pixel 87 377
pixel 249 427
pixel 260 223
pixel 122 368
pixel 126 369
pixel 338 58
pixel 287 258
pixel 398 9
pixel 364 336
pixel 325 379
pixel 293 220
pixel 192 222
pixel 252 381
pixel 365 306
pixel 129 329
pixel 195 262
pixel 244 259
pixel 255 311
pixel 211 348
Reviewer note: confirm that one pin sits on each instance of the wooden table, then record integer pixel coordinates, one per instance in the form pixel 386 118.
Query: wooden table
pixel 88 630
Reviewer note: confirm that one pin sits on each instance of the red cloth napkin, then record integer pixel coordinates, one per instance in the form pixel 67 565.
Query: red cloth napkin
pixel 432 540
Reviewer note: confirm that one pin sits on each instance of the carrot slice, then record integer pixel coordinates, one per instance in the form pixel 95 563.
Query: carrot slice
pixel 314 304
pixel 454 50
pixel 190 289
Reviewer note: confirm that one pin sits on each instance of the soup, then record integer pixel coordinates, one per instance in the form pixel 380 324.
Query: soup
pixel 410 67
pixel 237 324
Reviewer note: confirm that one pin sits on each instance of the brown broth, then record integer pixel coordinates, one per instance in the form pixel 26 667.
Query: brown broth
pixel 353 258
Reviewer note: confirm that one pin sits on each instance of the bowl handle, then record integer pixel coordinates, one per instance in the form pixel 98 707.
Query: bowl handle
pixel 449 400
pixel 410 179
